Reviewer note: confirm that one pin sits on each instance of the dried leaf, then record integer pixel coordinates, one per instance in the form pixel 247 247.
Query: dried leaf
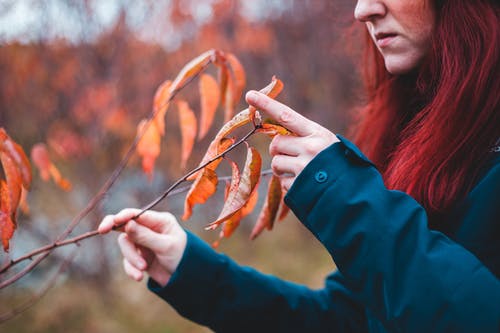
pixel 228 99
pixel 205 184
pixel 160 105
pixel 269 211
pixel 148 146
pixel 16 153
pixel 188 126
pixel 7 228
pixel 14 182
pixel 272 90
pixel 7 223
pixel 17 171
pixel 41 159
pixel 202 189
pixel 248 183
pixel 273 130
pixel 214 148
pixel 192 68
pixel 239 76
pixel 210 97
pixel 225 90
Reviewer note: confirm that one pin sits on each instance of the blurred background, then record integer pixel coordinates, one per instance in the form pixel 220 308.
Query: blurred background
pixel 78 75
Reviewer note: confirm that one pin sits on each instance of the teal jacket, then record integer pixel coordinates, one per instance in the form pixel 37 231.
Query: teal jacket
pixel 394 273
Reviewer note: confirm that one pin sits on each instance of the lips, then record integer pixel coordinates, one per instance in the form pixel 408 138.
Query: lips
pixel 385 38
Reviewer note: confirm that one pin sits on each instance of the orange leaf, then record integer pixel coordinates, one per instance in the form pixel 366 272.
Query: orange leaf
pixel 7 224
pixel 239 76
pixel 272 90
pixel 202 189
pixel 227 90
pixel 269 211
pixel 7 228
pixel 149 145
pixel 16 153
pixel 14 182
pixel 41 159
pixel 228 99
pixel 210 97
pixel 250 205
pixel 273 130
pixel 188 125
pixel 205 184
pixel 160 105
pixel 248 183
pixel 214 148
pixel 192 68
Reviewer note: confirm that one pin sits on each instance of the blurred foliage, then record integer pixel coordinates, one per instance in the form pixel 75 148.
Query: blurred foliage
pixel 84 96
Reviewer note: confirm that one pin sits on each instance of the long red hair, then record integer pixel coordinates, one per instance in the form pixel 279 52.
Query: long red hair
pixel 430 132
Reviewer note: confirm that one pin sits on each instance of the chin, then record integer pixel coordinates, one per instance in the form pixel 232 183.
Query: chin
pixel 400 65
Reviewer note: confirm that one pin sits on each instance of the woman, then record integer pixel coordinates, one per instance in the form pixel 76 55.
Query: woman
pixel 416 239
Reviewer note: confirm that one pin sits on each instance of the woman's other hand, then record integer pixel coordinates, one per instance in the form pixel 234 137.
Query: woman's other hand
pixel 291 153
pixel 152 243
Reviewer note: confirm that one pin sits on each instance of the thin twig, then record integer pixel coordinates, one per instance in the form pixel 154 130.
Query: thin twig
pixel 97 198
pixel 75 240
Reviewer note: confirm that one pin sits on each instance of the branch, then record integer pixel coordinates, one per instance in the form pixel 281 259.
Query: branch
pixel 95 200
pixel 44 250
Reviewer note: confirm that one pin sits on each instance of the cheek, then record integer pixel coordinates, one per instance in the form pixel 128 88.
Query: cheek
pixel 417 17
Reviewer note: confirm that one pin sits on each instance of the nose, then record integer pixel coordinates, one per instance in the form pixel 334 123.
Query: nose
pixel 368 10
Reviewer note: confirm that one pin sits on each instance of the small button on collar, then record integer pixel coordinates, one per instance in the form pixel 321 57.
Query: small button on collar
pixel 321 176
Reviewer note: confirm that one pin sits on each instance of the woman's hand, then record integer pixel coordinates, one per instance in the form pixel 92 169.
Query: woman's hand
pixel 153 243
pixel 291 153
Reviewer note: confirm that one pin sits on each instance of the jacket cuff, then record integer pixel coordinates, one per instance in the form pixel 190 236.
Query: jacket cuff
pixel 324 170
pixel 197 269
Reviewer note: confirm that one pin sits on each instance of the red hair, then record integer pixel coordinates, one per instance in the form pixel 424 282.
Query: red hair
pixel 431 132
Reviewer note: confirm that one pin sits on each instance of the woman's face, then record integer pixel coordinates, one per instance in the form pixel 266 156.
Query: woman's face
pixel 401 30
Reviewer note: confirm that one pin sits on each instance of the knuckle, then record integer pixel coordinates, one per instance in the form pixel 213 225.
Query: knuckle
pixel 275 164
pixel 286 116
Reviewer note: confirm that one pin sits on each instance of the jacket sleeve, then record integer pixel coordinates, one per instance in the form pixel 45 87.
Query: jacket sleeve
pixel 411 278
pixel 211 289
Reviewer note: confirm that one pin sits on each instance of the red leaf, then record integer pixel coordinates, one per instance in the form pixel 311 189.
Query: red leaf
pixel 14 182
pixel 248 183
pixel 269 211
pixel 149 145
pixel 188 126
pixel 210 96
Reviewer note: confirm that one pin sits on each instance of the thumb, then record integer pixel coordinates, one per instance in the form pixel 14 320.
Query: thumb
pixel 144 236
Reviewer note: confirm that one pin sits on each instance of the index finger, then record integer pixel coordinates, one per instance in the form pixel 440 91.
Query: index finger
pixel 156 221
pixel 284 115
